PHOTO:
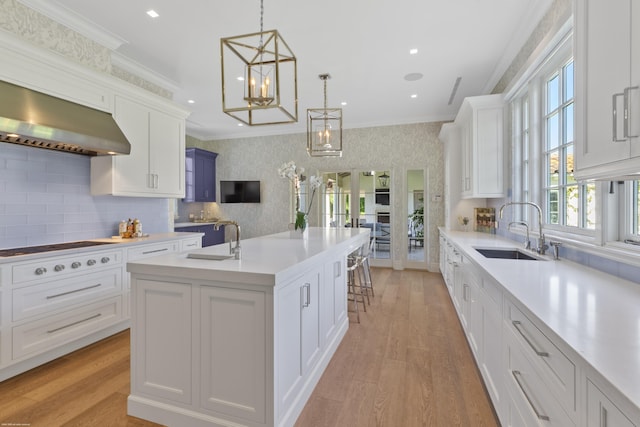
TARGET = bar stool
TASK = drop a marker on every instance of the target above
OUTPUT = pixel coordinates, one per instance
(355, 289)
(366, 269)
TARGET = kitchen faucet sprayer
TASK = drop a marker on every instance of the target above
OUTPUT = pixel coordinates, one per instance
(235, 251)
(542, 246)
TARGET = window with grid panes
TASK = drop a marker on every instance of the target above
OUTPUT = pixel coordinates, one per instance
(567, 202)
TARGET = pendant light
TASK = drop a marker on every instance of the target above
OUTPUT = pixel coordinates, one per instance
(324, 128)
(259, 78)
(383, 180)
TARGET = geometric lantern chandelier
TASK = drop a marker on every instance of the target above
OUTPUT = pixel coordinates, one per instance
(324, 128)
(259, 78)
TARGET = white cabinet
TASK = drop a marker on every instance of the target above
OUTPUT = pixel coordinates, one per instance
(54, 304)
(488, 321)
(299, 345)
(481, 124)
(607, 53)
(334, 298)
(161, 363)
(236, 362)
(603, 412)
(530, 396)
(155, 166)
(533, 376)
(554, 368)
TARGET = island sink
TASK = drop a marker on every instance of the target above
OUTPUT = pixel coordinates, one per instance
(505, 253)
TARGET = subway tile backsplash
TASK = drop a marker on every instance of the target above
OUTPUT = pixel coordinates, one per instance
(45, 198)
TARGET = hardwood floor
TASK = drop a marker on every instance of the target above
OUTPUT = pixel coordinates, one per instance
(406, 364)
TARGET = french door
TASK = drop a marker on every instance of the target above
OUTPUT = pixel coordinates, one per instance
(361, 198)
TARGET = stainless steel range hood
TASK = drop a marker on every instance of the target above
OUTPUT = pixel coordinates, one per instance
(32, 118)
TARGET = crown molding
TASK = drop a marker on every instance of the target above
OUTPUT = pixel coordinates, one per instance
(121, 61)
(530, 20)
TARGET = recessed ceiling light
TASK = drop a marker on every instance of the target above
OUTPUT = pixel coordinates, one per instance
(412, 77)
(344, 103)
(240, 124)
(413, 51)
(191, 101)
(415, 95)
(240, 78)
(152, 13)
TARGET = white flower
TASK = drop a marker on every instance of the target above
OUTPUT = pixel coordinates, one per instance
(315, 182)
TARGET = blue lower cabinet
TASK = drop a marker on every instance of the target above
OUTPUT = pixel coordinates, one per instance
(211, 235)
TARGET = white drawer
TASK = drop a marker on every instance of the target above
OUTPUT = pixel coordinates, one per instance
(190, 244)
(494, 292)
(529, 393)
(557, 368)
(45, 334)
(58, 267)
(155, 249)
(601, 411)
(37, 299)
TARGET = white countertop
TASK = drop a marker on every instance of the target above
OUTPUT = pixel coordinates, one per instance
(118, 241)
(596, 314)
(194, 223)
(265, 260)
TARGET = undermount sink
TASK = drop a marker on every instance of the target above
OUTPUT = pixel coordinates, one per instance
(214, 257)
(505, 253)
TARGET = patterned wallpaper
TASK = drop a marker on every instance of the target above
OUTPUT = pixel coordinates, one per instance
(396, 148)
(558, 13)
(42, 31)
(47, 33)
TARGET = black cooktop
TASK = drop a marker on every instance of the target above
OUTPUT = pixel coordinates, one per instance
(48, 248)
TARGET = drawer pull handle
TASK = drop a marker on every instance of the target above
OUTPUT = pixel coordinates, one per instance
(155, 251)
(517, 324)
(516, 376)
(91, 262)
(95, 316)
(305, 295)
(76, 264)
(105, 260)
(603, 417)
(40, 271)
(74, 291)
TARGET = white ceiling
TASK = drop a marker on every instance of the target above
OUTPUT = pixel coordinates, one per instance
(363, 44)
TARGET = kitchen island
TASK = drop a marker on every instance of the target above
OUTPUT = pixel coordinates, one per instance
(238, 342)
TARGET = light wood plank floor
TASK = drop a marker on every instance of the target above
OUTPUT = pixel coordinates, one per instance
(406, 364)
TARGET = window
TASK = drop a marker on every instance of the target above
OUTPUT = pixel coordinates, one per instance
(567, 202)
(630, 203)
(521, 152)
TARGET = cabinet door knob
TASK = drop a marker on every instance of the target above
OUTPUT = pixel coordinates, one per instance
(59, 267)
(40, 271)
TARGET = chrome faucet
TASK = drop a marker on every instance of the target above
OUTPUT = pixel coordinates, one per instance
(542, 246)
(232, 251)
(527, 243)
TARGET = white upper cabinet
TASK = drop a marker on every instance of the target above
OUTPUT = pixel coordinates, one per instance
(481, 124)
(155, 166)
(607, 56)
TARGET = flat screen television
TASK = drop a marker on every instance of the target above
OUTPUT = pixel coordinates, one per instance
(382, 196)
(239, 191)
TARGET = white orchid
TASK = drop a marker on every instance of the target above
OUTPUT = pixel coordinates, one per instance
(294, 173)
(315, 182)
